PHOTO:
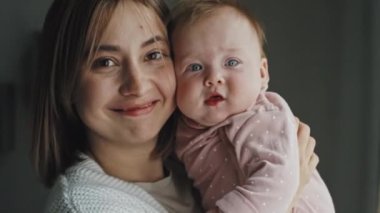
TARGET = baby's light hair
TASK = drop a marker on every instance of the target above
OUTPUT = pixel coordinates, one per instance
(187, 12)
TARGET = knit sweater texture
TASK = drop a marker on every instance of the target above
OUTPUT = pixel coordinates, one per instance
(85, 187)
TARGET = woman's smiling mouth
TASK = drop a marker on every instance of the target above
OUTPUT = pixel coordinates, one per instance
(136, 110)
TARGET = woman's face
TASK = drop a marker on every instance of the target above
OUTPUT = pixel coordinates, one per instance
(127, 93)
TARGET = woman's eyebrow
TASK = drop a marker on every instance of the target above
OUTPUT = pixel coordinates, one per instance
(153, 40)
(116, 48)
(109, 48)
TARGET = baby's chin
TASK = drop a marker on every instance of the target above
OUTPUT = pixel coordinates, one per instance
(211, 120)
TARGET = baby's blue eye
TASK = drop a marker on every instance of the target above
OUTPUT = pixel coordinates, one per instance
(195, 67)
(232, 63)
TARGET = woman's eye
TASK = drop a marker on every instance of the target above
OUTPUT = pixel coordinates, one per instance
(154, 56)
(195, 67)
(232, 63)
(103, 63)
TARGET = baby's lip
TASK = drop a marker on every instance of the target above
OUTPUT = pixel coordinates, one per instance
(215, 95)
(214, 99)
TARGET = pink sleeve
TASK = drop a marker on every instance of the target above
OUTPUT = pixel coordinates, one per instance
(267, 151)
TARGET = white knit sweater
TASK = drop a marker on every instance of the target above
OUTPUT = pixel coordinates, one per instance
(86, 188)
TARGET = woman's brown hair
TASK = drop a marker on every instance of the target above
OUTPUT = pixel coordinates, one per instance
(71, 31)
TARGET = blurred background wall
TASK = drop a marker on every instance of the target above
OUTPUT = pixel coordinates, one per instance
(324, 58)
(20, 22)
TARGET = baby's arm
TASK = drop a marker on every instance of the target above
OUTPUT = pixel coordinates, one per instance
(308, 163)
(267, 151)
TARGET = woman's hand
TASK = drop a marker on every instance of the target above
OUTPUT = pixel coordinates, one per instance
(308, 159)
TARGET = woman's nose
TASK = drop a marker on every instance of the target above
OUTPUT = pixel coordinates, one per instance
(134, 81)
(214, 78)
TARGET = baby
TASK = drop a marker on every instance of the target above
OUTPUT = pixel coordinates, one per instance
(238, 142)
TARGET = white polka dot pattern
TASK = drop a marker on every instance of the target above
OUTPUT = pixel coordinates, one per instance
(255, 157)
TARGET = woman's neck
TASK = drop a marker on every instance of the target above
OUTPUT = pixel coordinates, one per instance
(132, 164)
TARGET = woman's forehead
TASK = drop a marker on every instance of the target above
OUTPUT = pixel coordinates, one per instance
(129, 23)
(132, 26)
(131, 15)
(140, 12)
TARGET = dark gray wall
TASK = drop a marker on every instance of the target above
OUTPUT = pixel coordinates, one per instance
(322, 55)
(19, 23)
(324, 59)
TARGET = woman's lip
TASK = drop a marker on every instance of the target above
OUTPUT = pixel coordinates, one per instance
(136, 110)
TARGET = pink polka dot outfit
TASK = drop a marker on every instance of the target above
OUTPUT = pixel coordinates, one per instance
(250, 162)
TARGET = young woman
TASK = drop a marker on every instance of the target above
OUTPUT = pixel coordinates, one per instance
(103, 105)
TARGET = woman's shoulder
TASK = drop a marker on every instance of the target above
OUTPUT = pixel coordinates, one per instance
(86, 188)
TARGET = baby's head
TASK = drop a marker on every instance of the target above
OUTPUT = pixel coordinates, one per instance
(219, 59)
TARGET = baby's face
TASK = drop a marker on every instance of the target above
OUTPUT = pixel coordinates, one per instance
(219, 68)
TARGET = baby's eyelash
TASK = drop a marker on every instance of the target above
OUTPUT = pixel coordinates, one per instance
(232, 62)
(194, 67)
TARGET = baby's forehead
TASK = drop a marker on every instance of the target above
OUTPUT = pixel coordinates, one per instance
(190, 16)
(225, 11)
(233, 14)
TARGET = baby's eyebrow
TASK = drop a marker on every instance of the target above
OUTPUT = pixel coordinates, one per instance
(229, 49)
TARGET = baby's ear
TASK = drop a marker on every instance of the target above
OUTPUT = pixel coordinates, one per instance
(264, 74)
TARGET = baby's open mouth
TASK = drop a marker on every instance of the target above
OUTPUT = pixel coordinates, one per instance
(214, 100)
